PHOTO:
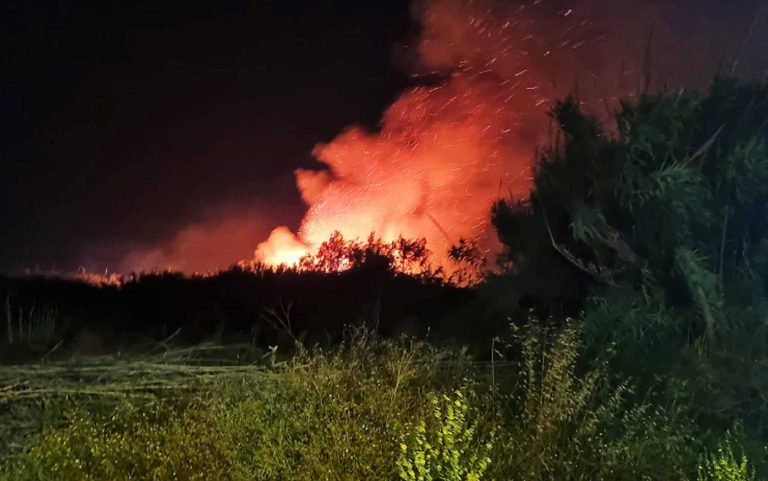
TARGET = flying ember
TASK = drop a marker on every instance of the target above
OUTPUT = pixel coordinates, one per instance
(443, 152)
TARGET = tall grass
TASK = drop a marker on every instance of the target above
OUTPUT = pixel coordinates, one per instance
(322, 415)
(367, 410)
(27, 325)
(570, 422)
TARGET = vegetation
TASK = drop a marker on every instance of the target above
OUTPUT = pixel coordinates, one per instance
(448, 448)
(724, 465)
(371, 409)
(320, 415)
(235, 305)
(623, 337)
(658, 237)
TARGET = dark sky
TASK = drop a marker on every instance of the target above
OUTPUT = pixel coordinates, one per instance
(123, 121)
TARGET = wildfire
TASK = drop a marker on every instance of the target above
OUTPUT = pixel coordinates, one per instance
(466, 135)
(442, 154)
(282, 248)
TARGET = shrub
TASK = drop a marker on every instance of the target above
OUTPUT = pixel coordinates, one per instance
(447, 447)
(322, 415)
(377, 410)
(725, 465)
(654, 230)
(337, 415)
(566, 423)
(148, 443)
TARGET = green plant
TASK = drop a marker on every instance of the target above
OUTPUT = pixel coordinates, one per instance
(339, 414)
(447, 447)
(570, 422)
(135, 442)
(31, 326)
(725, 465)
(654, 231)
(321, 415)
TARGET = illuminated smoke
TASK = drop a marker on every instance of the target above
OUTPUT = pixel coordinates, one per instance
(440, 159)
(218, 240)
(444, 153)
(486, 74)
(441, 156)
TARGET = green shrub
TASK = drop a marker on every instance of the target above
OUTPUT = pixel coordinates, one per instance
(377, 410)
(337, 415)
(322, 415)
(566, 423)
(149, 444)
(725, 465)
(445, 448)
(654, 229)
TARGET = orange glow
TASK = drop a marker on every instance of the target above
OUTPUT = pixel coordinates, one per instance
(444, 151)
(282, 248)
(441, 157)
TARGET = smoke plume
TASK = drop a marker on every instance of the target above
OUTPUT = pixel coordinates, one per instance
(488, 73)
(218, 240)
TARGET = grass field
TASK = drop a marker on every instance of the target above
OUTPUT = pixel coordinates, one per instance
(369, 409)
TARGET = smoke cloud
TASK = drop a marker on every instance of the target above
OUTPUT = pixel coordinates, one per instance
(218, 240)
(485, 74)
(446, 149)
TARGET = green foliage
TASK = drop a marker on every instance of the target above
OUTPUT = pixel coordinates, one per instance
(372, 410)
(725, 465)
(335, 415)
(655, 231)
(132, 444)
(569, 423)
(323, 415)
(445, 448)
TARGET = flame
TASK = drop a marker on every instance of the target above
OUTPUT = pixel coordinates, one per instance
(445, 150)
(441, 156)
(282, 247)
(444, 153)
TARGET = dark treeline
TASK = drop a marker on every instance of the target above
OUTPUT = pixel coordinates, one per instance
(261, 306)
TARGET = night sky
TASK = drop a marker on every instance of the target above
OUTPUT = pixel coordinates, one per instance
(123, 121)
